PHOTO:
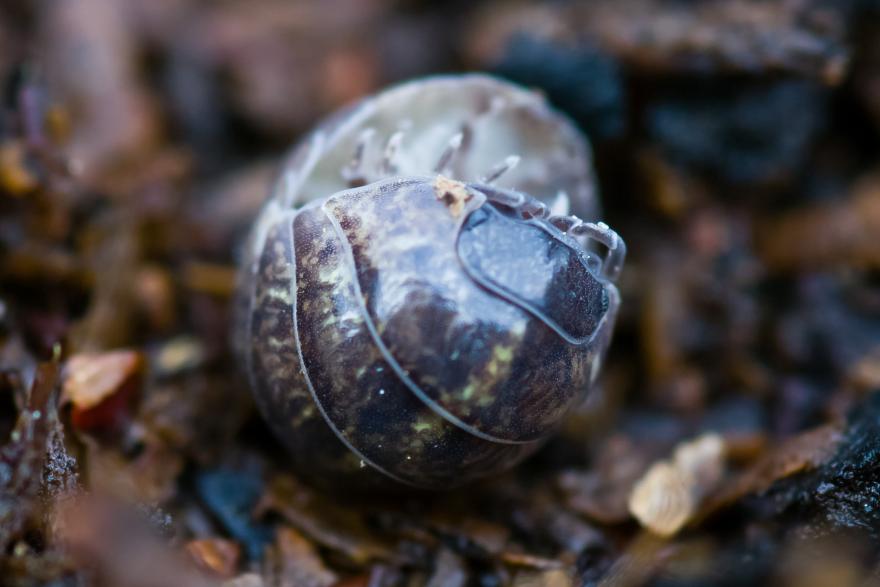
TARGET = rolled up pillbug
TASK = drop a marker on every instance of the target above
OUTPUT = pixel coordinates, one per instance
(416, 303)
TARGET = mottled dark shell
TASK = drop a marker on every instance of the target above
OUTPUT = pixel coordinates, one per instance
(428, 329)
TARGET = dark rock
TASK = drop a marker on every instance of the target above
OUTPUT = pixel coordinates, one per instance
(231, 496)
(581, 80)
(742, 131)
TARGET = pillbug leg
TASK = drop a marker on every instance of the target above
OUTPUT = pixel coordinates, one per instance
(387, 166)
(500, 169)
(509, 199)
(452, 147)
(601, 233)
(355, 173)
(570, 225)
(529, 208)
(561, 204)
(565, 223)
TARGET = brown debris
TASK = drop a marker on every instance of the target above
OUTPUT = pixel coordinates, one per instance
(842, 232)
(233, 200)
(101, 533)
(149, 477)
(156, 298)
(324, 520)
(718, 36)
(217, 556)
(296, 563)
(257, 48)
(15, 179)
(644, 555)
(739, 35)
(553, 578)
(798, 454)
(601, 493)
(114, 114)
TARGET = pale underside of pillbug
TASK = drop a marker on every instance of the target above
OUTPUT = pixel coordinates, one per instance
(416, 302)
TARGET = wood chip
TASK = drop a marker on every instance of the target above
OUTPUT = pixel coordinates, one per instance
(667, 496)
(827, 235)
(297, 563)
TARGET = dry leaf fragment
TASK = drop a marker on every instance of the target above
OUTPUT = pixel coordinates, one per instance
(667, 496)
(102, 388)
(91, 378)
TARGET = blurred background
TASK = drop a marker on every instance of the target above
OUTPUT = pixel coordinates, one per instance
(736, 150)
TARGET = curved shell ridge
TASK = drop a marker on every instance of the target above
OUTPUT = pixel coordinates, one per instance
(358, 390)
(308, 379)
(380, 344)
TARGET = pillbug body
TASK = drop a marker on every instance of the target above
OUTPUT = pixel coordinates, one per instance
(416, 303)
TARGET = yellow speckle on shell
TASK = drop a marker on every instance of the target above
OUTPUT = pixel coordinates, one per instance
(452, 193)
